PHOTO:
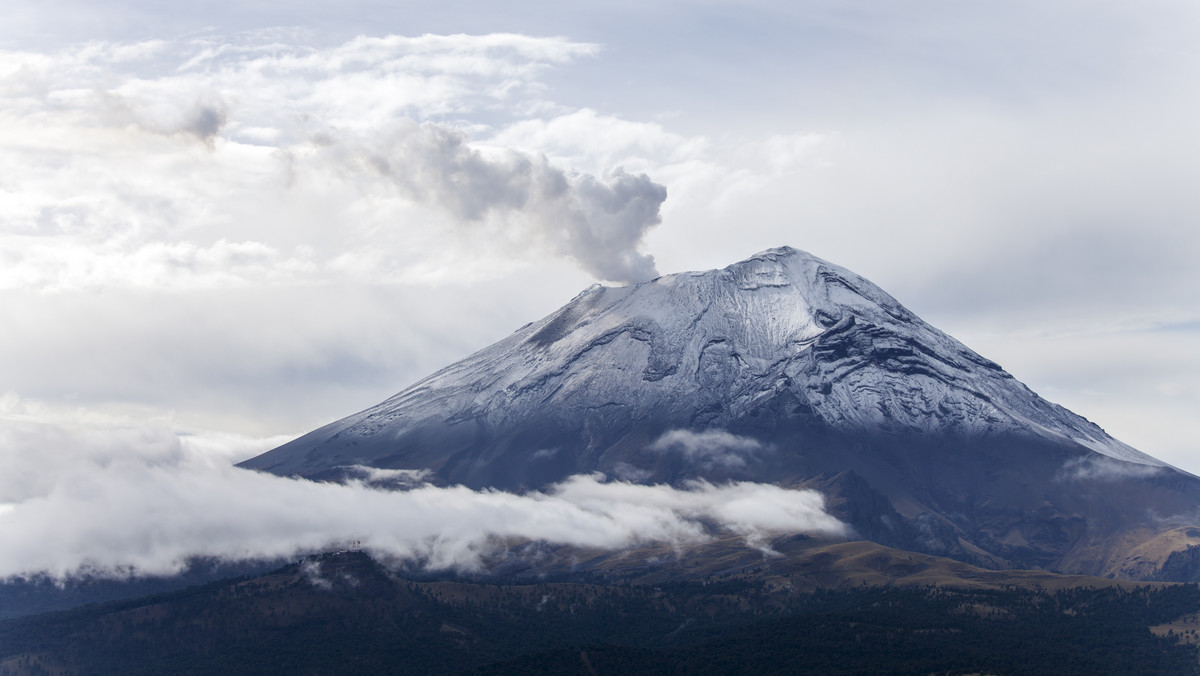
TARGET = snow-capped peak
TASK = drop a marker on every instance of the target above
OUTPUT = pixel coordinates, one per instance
(782, 334)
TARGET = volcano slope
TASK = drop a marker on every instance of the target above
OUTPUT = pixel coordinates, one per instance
(790, 370)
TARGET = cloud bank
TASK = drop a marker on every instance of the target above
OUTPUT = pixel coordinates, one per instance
(129, 502)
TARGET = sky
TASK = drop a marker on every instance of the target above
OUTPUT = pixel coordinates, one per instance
(225, 224)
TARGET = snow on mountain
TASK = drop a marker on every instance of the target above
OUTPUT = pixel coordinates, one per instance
(701, 349)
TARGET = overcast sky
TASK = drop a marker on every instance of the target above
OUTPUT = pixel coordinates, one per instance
(232, 223)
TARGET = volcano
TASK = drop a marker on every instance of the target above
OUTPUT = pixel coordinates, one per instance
(783, 369)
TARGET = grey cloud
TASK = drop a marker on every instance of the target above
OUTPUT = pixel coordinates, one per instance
(710, 448)
(312, 571)
(202, 121)
(429, 162)
(617, 213)
(627, 472)
(600, 222)
(205, 122)
(168, 113)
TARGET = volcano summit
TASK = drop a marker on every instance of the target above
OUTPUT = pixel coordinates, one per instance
(789, 370)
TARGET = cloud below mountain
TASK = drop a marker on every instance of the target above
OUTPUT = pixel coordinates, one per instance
(128, 502)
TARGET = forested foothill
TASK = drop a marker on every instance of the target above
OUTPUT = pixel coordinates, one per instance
(345, 613)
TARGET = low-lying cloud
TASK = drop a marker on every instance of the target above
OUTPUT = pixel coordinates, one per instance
(710, 448)
(141, 503)
(1103, 468)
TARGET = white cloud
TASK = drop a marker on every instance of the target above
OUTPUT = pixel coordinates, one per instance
(137, 501)
(1100, 468)
(42, 445)
(588, 139)
(710, 448)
